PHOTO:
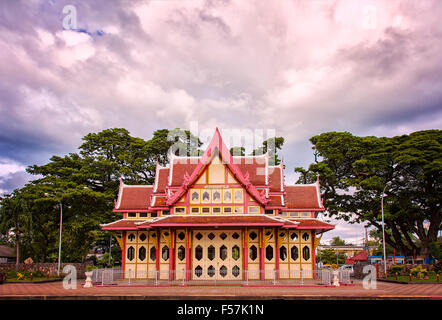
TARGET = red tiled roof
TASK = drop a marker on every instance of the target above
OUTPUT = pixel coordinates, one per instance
(221, 220)
(275, 178)
(361, 256)
(180, 167)
(159, 201)
(163, 176)
(302, 197)
(275, 201)
(125, 224)
(255, 167)
(218, 148)
(312, 224)
(134, 197)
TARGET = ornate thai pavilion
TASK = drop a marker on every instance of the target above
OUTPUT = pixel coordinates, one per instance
(217, 216)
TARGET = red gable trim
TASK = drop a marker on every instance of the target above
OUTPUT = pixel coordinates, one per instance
(123, 224)
(217, 147)
(213, 220)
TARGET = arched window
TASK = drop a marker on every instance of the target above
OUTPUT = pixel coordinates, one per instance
(142, 253)
(199, 252)
(306, 253)
(223, 252)
(269, 252)
(181, 253)
(294, 252)
(235, 252)
(165, 253)
(283, 253)
(131, 253)
(153, 254)
(253, 253)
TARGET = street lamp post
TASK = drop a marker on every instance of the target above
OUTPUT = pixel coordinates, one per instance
(59, 241)
(383, 227)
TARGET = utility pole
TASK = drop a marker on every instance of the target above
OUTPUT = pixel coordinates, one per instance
(367, 248)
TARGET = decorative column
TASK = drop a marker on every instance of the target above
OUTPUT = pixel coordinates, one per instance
(157, 245)
(123, 255)
(171, 253)
(188, 254)
(245, 249)
(277, 252)
(315, 243)
(262, 255)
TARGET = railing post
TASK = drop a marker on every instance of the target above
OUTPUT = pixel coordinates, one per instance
(130, 271)
(274, 277)
(184, 276)
(247, 277)
(102, 276)
(156, 277)
(302, 277)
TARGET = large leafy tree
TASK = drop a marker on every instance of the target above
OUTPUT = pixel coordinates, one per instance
(15, 219)
(329, 256)
(354, 171)
(337, 241)
(270, 146)
(85, 185)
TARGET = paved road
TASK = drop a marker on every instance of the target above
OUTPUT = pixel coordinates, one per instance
(384, 290)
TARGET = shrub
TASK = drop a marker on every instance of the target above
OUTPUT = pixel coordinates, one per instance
(419, 272)
(397, 268)
(438, 267)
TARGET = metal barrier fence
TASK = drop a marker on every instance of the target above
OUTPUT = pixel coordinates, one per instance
(117, 276)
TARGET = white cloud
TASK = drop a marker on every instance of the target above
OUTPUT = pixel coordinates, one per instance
(8, 166)
(301, 67)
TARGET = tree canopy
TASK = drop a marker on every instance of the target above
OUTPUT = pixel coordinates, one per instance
(353, 172)
(85, 185)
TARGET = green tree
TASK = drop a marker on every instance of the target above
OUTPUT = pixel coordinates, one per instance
(15, 219)
(376, 235)
(354, 170)
(85, 184)
(238, 151)
(271, 145)
(336, 241)
(329, 256)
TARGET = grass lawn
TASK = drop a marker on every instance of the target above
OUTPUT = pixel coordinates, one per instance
(407, 279)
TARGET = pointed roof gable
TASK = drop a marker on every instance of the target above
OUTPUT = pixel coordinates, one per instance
(133, 197)
(217, 148)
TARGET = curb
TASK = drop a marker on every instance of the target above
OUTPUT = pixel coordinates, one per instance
(407, 282)
(32, 282)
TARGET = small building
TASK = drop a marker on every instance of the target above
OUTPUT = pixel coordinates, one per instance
(218, 216)
(390, 259)
(359, 257)
(348, 250)
(7, 254)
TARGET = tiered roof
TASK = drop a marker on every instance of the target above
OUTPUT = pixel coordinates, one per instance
(249, 220)
(263, 182)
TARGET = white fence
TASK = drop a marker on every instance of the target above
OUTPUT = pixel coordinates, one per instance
(117, 276)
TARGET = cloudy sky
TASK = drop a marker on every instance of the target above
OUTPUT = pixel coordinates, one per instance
(298, 67)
